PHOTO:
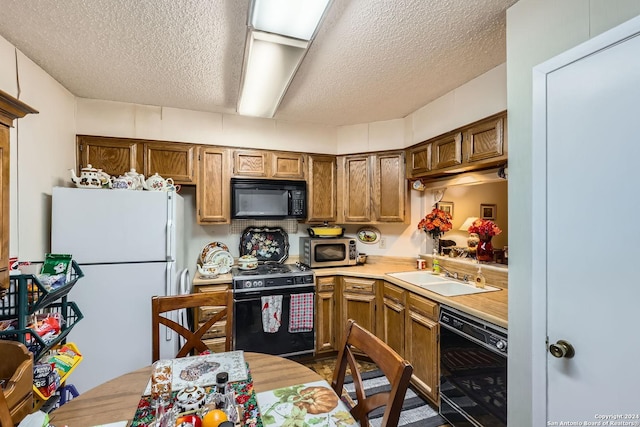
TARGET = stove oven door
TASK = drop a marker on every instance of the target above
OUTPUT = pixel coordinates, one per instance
(249, 333)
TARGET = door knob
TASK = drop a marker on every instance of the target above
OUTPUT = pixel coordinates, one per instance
(562, 349)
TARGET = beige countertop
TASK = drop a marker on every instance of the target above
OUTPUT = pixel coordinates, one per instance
(489, 306)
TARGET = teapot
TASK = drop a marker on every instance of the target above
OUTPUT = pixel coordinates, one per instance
(135, 180)
(121, 183)
(208, 270)
(158, 183)
(90, 177)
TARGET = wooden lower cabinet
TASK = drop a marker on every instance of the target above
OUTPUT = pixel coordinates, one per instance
(326, 315)
(358, 302)
(421, 344)
(215, 337)
(393, 317)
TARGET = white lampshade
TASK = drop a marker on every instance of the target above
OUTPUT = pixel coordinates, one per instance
(467, 223)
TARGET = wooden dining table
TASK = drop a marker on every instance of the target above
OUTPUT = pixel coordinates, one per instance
(117, 399)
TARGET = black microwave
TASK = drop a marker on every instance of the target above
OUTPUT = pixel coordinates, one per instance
(268, 198)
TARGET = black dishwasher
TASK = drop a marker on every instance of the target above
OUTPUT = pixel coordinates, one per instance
(473, 370)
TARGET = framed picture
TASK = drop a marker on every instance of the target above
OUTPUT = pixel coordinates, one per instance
(447, 207)
(488, 212)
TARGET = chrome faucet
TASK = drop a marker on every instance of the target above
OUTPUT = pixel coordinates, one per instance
(447, 273)
(454, 274)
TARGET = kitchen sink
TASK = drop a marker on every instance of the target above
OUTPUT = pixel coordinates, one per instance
(440, 285)
(419, 278)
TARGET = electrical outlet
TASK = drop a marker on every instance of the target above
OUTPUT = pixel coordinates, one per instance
(383, 242)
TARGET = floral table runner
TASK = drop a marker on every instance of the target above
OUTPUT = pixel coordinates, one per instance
(311, 404)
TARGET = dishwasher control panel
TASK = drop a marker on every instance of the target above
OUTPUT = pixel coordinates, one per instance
(478, 330)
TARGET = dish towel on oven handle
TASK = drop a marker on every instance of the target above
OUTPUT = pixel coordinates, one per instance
(271, 313)
(301, 315)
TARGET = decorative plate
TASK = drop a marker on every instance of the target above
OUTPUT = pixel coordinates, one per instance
(368, 235)
(223, 260)
(208, 251)
(265, 243)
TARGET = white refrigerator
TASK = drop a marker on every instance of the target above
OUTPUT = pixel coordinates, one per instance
(130, 247)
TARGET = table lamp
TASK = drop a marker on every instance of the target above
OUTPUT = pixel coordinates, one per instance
(473, 239)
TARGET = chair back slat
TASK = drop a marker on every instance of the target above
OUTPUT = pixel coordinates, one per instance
(161, 306)
(397, 370)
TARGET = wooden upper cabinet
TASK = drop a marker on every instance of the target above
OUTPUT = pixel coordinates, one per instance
(486, 140)
(373, 188)
(356, 188)
(170, 160)
(321, 189)
(268, 164)
(389, 187)
(477, 146)
(213, 193)
(419, 160)
(447, 151)
(114, 156)
(250, 163)
(10, 109)
(287, 165)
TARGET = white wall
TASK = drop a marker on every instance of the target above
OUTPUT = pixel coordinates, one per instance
(536, 31)
(42, 149)
(108, 118)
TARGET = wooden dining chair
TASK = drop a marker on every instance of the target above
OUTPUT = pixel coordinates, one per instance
(16, 393)
(162, 306)
(397, 370)
(5, 413)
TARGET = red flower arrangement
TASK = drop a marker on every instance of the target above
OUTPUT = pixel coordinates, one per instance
(484, 227)
(435, 223)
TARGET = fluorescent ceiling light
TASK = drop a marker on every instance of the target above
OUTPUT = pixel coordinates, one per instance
(291, 18)
(270, 63)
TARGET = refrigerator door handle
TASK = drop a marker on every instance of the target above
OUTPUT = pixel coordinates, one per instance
(169, 292)
(170, 225)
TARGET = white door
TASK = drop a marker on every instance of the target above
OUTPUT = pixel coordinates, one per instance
(587, 227)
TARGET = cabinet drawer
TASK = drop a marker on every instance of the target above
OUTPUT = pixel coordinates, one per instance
(393, 293)
(423, 306)
(361, 286)
(206, 312)
(216, 331)
(325, 284)
(211, 288)
(216, 345)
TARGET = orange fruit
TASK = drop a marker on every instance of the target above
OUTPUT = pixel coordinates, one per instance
(213, 418)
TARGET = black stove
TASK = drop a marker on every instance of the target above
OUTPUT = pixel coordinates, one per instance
(272, 275)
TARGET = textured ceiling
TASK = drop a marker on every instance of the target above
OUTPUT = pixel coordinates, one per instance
(371, 60)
